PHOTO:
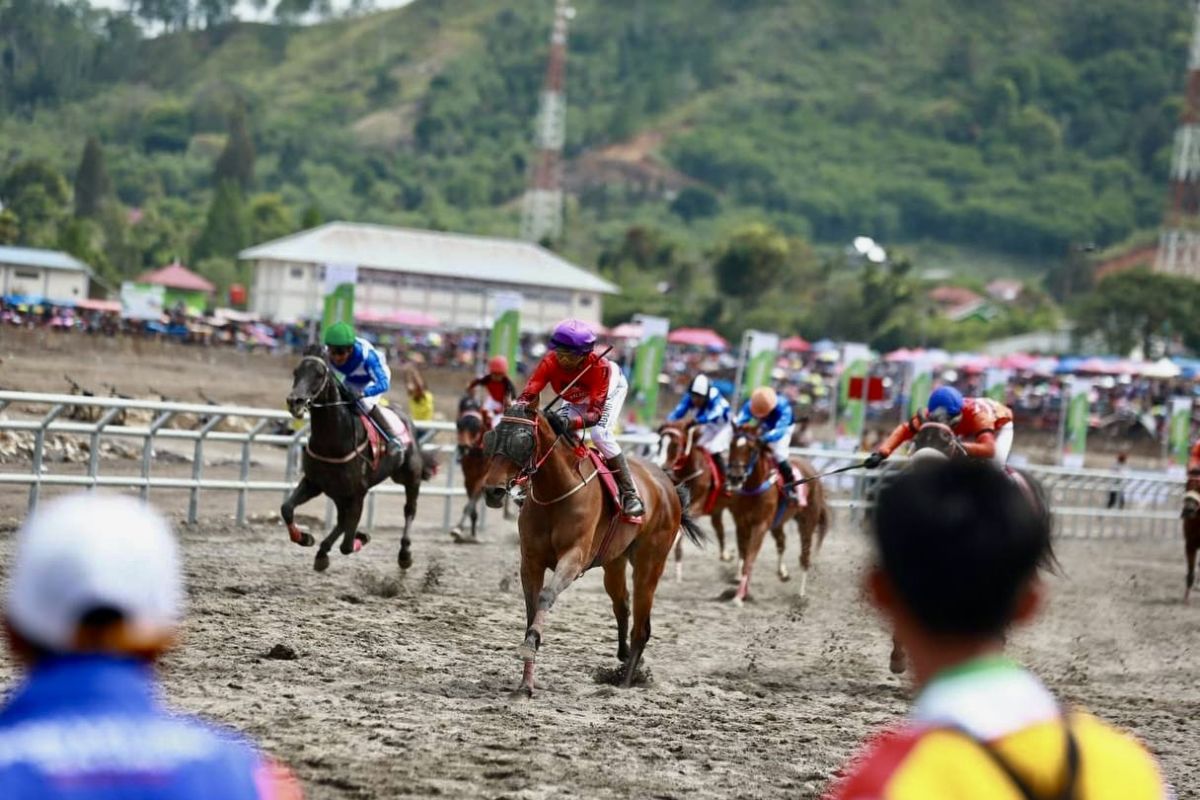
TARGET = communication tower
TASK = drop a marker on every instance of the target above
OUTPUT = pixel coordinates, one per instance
(542, 208)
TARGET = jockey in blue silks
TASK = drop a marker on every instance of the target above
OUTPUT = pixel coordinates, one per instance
(711, 412)
(774, 420)
(364, 372)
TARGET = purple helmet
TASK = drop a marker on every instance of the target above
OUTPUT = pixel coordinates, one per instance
(573, 334)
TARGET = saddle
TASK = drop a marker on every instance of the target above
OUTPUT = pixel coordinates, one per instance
(611, 490)
(718, 483)
(376, 444)
(787, 499)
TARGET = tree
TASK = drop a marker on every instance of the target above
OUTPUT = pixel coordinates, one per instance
(695, 203)
(92, 186)
(10, 227)
(236, 162)
(227, 228)
(270, 218)
(1137, 308)
(752, 262)
(39, 195)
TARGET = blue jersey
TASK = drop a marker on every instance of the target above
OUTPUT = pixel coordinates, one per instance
(773, 425)
(92, 728)
(365, 370)
(715, 409)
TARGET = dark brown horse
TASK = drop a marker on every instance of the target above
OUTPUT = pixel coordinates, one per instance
(338, 462)
(470, 426)
(937, 440)
(688, 465)
(1191, 529)
(568, 525)
(755, 505)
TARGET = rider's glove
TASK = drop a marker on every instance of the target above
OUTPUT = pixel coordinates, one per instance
(560, 421)
(874, 460)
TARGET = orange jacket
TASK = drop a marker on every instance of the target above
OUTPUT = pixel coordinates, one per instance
(981, 418)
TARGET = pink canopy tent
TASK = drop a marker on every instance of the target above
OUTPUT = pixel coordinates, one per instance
(902, 356)
(626, 330)
(699, 337)
(400, 319)
(795, 344)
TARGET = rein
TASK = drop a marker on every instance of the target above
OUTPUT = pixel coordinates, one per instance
(750, 466)
(535, 463)
(310, 402)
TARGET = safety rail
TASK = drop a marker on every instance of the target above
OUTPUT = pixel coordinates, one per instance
(1086, 503)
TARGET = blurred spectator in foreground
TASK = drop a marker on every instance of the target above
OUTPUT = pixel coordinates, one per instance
(93, 601)
(958, 549)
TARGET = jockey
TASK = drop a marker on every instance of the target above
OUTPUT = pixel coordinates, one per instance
(593, 402)
(365, 374)
(500, 389)
(987, 424)
(774, 418)
(1194, 458)
(710, 410)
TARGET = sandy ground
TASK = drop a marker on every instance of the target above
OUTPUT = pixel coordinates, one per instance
(401, 684)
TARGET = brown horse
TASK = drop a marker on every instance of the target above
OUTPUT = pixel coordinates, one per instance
(755, 501)
(937, 440)
(688, 465)
(470, 427)
(1191, 529)
(569, 526)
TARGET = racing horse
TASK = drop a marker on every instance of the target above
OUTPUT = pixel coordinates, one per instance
(759, 503)
(690, 466)
(470, 427)
(1191, 529)
(935, 440)
(338, 460)
(571, 522)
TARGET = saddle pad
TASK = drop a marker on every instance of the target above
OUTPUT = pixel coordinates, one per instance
(718, 483)
(606, 476)
(398, 424)
(374, 440)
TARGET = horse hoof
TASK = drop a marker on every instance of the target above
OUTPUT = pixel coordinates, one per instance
(347, 549)
(307, 540)
(522, 692)
(358, 545)
(365, 538)
(728, 594)
(321, 562)
(404, 559)
(726, 555)
(527, 652)
(784, 577)
(897, 664)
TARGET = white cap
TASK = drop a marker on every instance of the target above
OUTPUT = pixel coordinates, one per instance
(89, 551)
(700, 385)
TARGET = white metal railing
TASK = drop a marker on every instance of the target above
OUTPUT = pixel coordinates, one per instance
(1145, 502)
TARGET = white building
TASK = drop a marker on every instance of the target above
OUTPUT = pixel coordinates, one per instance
(38, 275)
(446, 276)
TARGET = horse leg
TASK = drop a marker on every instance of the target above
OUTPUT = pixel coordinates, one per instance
(780, 545)
(532, 578)
(412, 488)
(1191, 547)
(468, 513)
(348, 516)
(719, 527)
(897, 662)
(321, 562)
(806, 550)
(750, 555)
(618, 592)
(568, 568)
(305, 490)
(647, 569)
(679, 557)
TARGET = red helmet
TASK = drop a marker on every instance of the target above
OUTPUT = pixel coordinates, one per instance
(498, 365)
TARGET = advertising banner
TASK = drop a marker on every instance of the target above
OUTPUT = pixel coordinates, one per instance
(506, 327)
(995, 383)
(1075, 428)
(142, 301)
(1181, 430)
(340, 280)
(759, 354)
(647, 365)
(856, 358)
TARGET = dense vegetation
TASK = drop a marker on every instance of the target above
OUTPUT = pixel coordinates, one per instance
(1016, 127)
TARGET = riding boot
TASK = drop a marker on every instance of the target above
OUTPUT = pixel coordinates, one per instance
(789, 475)
(631, 504)
(394, 446)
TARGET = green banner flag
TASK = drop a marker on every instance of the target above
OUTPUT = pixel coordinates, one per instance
(340, 280)
(1075, 441)
(856, 408)
(760, 352)
(1181, 429)
(918, 393)
(995, 382)
(506, 328)
(647, 365)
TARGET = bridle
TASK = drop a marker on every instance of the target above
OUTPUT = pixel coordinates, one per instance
(527, 470)
(755, 445)
(686, 445)
(326, 372)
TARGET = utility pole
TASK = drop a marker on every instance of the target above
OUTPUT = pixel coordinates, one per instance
(1179, 243)
(542, 208)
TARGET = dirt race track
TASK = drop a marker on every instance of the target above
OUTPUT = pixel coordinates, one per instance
(401, 684)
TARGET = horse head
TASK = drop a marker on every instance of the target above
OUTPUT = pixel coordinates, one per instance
(936, 440)
(310, 379)
(743, 456)
(469, 425)
(510, 449)
(1191, 498)
(671, 450)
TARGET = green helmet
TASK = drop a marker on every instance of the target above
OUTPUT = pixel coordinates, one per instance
(339, 334)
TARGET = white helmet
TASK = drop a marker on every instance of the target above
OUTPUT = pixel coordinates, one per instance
(700, 385)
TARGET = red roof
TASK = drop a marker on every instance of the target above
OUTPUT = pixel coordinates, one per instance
(953, 296)
(177, 276)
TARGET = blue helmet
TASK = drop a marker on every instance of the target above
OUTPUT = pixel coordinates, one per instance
(946, 399)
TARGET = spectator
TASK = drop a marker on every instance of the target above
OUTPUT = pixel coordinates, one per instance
(958, 547)
(94, 599)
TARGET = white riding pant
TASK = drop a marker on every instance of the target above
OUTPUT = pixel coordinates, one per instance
(715, 437)
(495, 408)
(1004, 442)
(779, 447)
(367, 404)
(603, 432)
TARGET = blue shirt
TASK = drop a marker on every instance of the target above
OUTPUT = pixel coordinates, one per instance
(92, 728)
(365, 370)
(715, 409)
(774, 425)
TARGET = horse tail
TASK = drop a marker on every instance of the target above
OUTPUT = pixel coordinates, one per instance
(693, 531)
(429, 462)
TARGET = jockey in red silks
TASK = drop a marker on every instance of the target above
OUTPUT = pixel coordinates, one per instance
(986, 425)
(500, 390)
(594, 401)
(1194, 458)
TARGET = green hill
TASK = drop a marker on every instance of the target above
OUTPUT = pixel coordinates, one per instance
(1015, 128)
